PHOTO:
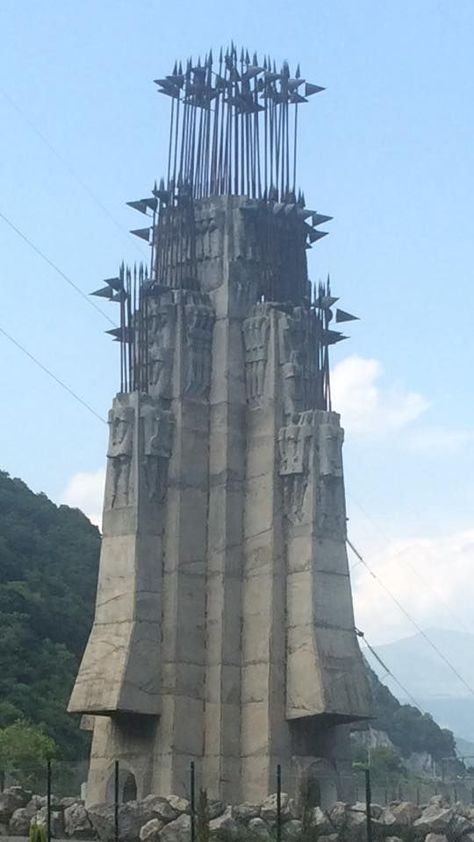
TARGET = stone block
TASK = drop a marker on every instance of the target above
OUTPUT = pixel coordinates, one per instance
(76, 822)
(177, 830)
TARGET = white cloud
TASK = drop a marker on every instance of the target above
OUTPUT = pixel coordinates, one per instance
(85, 491)
(430, 577)
(366, 406)
(434, 438)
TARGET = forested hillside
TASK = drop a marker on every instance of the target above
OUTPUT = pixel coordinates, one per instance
(409, 729)
(48, 570)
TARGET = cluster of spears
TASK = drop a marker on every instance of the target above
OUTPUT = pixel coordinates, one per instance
(231, 126)
(233, 131)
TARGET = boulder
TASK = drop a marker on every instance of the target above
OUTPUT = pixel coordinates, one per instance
(406, 813)
(258, 829)
(356, 819)
(160, 808)
(77, 823)
(434, 819)
(393, 839)
(69, 801)
(180, 805)
(20, 822)
(150, 831)
(338, 814)
(291, 830)
(34, 804)
(436, 837)
(330, 837)
(42, 801)
(387, 817)
(319, 820)
(224, 825)
(9, 802)
(268, 810)
(215, 808)
(101, 816)
(131, 817)
(178, 830)
(438, 801)
(246, 812)
(21, 795)
(460, 825)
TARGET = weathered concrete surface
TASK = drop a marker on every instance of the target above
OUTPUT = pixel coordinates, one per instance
(224, 630)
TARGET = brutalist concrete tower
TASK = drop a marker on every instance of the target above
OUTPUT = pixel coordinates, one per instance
(224, 629)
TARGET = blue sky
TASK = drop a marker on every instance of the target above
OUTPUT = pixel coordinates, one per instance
(387, 150)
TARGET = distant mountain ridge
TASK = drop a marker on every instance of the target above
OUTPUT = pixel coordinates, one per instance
(430, 680)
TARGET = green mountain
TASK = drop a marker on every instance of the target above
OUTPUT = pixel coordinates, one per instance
(48, 572)
(409, 729)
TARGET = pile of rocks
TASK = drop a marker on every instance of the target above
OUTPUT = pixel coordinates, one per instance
(159, 819)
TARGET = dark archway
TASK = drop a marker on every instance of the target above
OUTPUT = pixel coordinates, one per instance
(129, 788)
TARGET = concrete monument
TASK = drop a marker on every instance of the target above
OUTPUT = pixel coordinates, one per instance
(224, 629)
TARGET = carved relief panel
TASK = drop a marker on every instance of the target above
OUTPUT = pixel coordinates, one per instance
(256, 331)
(161, 330)
(158, 426)
(331, 508)
(295, 442)
(119, 454)
(198, 324)
(296, 363)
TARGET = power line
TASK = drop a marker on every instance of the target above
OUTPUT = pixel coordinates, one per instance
(410, 618)
(68, 167)
(425, 582)
(53, 376)
(387, 671)
(56, 268)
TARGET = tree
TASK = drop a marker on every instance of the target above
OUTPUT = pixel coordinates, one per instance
(24, 752)
(48, 572)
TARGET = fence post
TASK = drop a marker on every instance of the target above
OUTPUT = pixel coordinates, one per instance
(48, 801)
(192, 776)
(116, 801)
(278, 804)
(368, 799)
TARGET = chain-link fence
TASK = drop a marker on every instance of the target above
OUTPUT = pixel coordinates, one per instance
(58, 798)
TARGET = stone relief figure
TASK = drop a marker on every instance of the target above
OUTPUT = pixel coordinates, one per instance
(205, 227)
(158, 427)
(198, 325)
(256, 331)
(121, 423)
(331, 502)
(295, 442)
(330, 440)
(161, 326)
(295, 368)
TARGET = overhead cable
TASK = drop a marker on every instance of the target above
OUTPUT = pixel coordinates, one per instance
(50, 374)
(412, 621)
(55, 267)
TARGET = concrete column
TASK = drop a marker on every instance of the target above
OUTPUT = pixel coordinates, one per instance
(180, 734)
(264, 731)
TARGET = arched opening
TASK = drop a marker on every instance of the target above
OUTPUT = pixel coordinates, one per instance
(312, 790)
(129, 788)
